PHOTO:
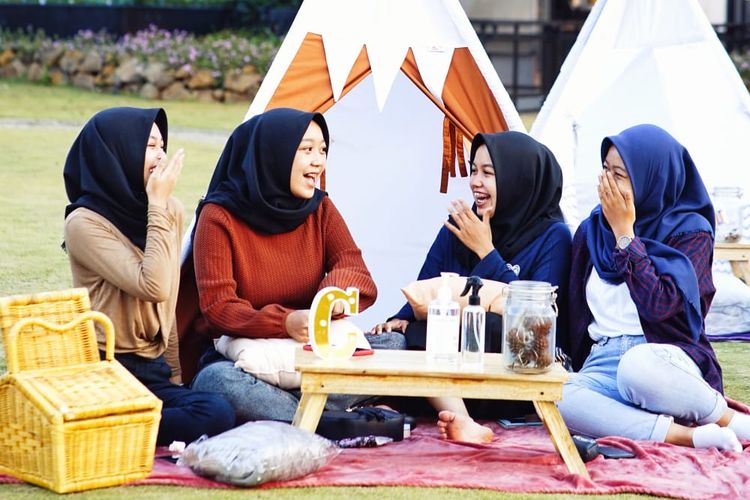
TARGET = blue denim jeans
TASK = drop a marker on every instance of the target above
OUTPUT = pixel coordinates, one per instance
(628, 387)
(254, 399)
(185, 415)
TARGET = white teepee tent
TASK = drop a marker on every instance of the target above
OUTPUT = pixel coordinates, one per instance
(646, 61)
(403, 84)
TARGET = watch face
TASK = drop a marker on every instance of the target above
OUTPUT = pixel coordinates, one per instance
(623, 242)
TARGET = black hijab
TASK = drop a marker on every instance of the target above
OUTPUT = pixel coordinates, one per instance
(529, 186)
(104, 168)
(252, 176)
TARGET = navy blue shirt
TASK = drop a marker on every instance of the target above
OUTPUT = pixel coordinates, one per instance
(547, 258)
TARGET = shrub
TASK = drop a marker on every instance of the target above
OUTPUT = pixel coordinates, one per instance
(742, 62)
(217, 52)
(24, 43)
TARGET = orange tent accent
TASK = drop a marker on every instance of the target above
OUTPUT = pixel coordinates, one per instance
(467, 101)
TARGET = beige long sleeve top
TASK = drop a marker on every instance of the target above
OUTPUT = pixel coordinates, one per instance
(136, 289)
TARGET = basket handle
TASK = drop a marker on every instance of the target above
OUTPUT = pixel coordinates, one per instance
(109, 334)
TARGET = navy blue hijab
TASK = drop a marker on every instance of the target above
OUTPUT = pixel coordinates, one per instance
(528, 185)
(670, 199)
(104, 168)
(251, 179)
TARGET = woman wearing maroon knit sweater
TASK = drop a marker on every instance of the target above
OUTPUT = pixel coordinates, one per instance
(266, 240)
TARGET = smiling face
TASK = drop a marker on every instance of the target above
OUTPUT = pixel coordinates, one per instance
(154, 153)
(309, 163)
(482, 181)
(613, 163)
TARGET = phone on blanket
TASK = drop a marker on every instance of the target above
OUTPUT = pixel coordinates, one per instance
(357, 352)
(612, 452)
(522, 421)
(589, 449)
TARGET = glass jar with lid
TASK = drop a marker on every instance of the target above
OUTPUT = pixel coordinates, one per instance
(729, 209)
(529, 326)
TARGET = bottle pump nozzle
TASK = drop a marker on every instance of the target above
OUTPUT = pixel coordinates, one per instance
(474, 283)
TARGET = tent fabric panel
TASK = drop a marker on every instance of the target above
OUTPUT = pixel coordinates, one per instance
(468, 103)
(467, 99)
(306, 84)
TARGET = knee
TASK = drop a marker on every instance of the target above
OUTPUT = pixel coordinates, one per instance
(217, 414)
(388, 340)
(221, 377)
(636, 370)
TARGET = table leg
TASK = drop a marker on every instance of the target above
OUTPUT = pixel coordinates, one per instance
(309, 411)
(555, 425)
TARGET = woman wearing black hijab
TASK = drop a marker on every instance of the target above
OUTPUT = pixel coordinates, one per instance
(266, 240)
(514, 231)
(122, 234)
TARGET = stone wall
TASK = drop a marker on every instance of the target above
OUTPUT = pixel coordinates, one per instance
(93, 71)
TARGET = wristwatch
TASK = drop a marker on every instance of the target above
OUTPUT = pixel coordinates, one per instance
(623, 242)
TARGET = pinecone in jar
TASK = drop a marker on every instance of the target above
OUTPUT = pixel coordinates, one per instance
(515, 341)
(542, 344)
(538, 324)
(538, 355)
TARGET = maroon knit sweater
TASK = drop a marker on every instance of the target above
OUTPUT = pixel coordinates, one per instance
(248, 282)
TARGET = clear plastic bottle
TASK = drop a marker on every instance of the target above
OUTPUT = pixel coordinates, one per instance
(443, 321)
(472, 328)
(529, 326)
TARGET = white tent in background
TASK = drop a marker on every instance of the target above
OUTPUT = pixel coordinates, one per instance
(646, 61)
(403, 84)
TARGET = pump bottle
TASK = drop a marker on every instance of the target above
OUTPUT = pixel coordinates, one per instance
(443, 317)
(472, 328)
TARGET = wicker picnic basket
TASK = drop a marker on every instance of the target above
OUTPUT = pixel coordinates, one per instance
(69, 421)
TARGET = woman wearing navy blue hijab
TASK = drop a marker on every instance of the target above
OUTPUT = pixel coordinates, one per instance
(514, 231)
(640, 288)
(122, 233)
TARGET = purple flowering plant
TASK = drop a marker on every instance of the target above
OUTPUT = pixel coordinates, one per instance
(217, 52)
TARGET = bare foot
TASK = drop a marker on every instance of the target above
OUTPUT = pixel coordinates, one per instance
(457, 427)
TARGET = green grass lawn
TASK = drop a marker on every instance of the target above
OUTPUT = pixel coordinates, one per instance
(32, 198)
(68, 104)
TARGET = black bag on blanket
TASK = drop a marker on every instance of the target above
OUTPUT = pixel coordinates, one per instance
(368, 421)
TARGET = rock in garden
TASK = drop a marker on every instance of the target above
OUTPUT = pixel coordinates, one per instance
(159, 75)
(203, 79)
(129, 72)
(19, 67)
(175, 92)
(106, 77)
(204, 95)
(35, 73)
(240, 82)
(92, 63)
(57, 77)
(231, 97)
(83, 81)
(182, 73)
(15, 69)
(149, 91)
(6, 57)
(218, 94)
(51, 56)
(70, 60)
